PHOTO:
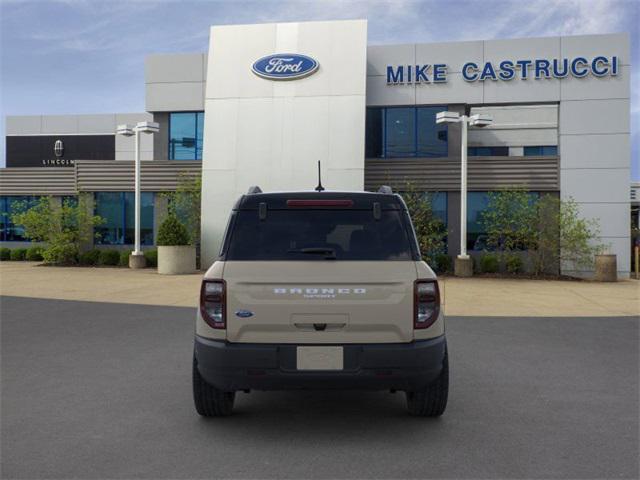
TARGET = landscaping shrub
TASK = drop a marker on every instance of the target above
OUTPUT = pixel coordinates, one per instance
(489, 263)
(63, 227)
(61, 254)
(172, 232)
(513, 264)
(152, 258)
(34, 254)
(443, 263)
(430, 230)
(109, 257)
(124, 258)
(18, 254)
(90, 257)
(5, 254)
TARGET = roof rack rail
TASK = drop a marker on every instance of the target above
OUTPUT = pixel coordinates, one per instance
(385, 189)
(254, 189)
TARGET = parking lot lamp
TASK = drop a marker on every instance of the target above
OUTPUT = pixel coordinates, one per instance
(136, 259)
(463, 263)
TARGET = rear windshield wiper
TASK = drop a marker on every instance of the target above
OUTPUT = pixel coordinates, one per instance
(329, 253)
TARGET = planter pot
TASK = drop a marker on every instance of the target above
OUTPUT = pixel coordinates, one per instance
(176, 260)
(606, 268)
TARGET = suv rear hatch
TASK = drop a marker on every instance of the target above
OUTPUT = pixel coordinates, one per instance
(320, 270)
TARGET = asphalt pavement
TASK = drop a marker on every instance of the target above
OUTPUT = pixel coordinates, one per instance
(103, 390)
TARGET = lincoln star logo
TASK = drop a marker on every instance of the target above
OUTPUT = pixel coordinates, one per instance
(58, 148)
(319, 292)
(285, 66)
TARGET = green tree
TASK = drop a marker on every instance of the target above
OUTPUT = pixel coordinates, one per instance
(63, 227)
(184, 203)
(431, 231)
(563, 237)
(510, 220)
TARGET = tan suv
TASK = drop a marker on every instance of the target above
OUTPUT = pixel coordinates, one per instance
(320, 290)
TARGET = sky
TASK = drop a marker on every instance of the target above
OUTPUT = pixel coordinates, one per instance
(87, 56)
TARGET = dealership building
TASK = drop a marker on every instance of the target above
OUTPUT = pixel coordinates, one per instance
(267, 101)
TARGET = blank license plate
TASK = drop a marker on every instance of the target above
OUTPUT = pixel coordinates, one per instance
(320, 358)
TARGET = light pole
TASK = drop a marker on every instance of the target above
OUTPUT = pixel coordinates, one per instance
(136, 259)
(463, 264)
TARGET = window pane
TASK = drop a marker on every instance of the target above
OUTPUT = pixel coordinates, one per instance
(532, 151)
(439, 205)
(373, 135)
(199, 134)
(146, 218)
(182, 136)
(432, 138)
(477, 203)
(109, 207)
(351, 234)
(400, 132)
(9, 206)
(550, 150)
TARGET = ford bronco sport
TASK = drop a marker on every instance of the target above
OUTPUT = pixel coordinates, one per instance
(320, 290)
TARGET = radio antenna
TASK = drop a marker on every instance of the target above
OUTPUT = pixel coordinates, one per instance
(319, 188)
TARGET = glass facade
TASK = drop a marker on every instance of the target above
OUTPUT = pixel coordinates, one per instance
(541, 151)
(117, 209)
(8, 206)
(488, 151)
(185, 135)
(405, 132)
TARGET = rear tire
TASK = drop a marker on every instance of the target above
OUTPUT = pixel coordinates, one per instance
(209, 401)
(431, 402)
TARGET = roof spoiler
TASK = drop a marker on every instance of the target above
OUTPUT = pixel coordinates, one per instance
(254, 189)
(386, 189)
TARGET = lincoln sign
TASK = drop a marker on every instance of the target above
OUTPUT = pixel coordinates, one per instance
(506, 70)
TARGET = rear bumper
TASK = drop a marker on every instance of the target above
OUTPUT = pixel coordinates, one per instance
(254, 366)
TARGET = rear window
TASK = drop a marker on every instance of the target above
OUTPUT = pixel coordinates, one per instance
(319, 235)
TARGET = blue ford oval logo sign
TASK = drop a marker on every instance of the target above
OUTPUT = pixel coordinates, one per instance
(285, 66)
(244, 314)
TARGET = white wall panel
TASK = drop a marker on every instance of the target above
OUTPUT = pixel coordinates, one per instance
(174, 68)
(595, 151)
(593, 45)
(269, 133)
(594, 117)
(612, 219)
(381, 94)
(516, 137)
(58, 124)
(379, 56)
(455, 90)
(23, 125)
(593, 88)
(600, 185)
(174, 97)
(453, 54)
(521, 49)
(520, 91)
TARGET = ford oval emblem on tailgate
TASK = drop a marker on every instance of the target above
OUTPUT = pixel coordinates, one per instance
(244, 314)
(285, 66)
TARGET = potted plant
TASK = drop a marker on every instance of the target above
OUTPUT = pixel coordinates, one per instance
(175, 254)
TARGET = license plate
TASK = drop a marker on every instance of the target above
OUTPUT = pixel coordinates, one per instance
(320, 358)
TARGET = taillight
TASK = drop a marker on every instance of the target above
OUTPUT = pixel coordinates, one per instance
(426, 303)
(213, 296)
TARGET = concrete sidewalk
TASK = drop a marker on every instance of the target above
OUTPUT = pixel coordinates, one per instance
(462, 297)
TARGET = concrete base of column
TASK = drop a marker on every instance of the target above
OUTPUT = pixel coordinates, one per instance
(137, 260)
(463, 267)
